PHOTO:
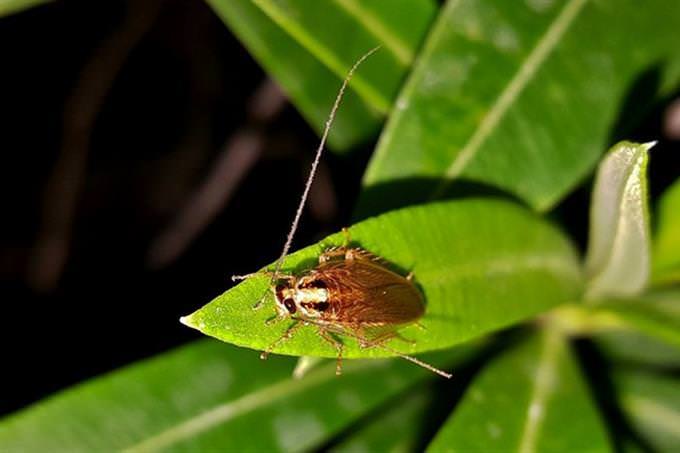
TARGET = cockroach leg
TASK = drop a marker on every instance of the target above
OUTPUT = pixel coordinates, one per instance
(337, 345)
(419, 325)
(274, 319)
(409, 276)
(286, 336)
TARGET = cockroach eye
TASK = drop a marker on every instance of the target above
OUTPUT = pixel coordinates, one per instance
(279, 291)
(290, 305)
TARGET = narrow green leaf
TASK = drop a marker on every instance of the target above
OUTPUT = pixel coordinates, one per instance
(522, 96)
(8, 7)
(305, 46)
(618, 258)
(482, 264)
(666, 254)
(656, 315)
(632, 347)
(531, 398)
(394, 430)
(652, 404)
(209, 396)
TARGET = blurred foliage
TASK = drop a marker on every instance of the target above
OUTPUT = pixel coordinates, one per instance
(505, 100)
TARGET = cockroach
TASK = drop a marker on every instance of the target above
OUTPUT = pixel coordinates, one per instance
(351, 292)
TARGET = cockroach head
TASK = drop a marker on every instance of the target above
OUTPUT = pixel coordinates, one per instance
(285, 302)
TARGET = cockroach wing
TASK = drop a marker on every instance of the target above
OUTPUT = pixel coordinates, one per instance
(367, 293)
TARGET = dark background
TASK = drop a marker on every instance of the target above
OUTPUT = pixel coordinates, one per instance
(175, 87)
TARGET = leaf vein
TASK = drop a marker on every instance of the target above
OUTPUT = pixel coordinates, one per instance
(520, 80)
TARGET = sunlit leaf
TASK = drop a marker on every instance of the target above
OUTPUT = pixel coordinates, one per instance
(308, 46)
(482, 264)
(522, 96)
(618, 259)
(207, 395)
(652, 404)
(666, 254)
(531, 398)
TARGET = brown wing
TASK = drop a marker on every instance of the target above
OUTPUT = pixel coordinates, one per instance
(368, 293)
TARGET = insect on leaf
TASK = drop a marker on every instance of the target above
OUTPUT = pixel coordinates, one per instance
(481, 264)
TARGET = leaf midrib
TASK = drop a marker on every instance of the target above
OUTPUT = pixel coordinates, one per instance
(325, 56)
(544, 379)
(506, 99)
(222, 413)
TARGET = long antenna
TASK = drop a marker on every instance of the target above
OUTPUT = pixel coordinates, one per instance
(315, 164)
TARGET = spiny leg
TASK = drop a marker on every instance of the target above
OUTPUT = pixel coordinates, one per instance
(337, 252)
(286, 336)
(371, 343)
(337, 345)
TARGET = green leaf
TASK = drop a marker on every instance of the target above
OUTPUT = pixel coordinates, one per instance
(395, 429)
(666, 254)
(8, 7)
(522, 96)
(482, 264)
(652, 404)
(208, 395)
(618, 258)
(656, 315)
(531, 398)
(632, 347)
(308, 46)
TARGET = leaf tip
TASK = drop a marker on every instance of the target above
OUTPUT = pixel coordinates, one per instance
(649, 145)
(188, 321)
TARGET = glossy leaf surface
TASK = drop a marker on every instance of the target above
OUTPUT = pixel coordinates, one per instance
(522, 96)
(652, 404)
(481, 264)
(618, 259)
(308, 46)
(531, 398)
(209, 394)
(666, 255)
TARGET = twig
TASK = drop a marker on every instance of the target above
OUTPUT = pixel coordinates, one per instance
(239, 155)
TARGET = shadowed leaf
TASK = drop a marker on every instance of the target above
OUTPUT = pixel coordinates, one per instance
(308, 46)
(207, 395)
(652, 404)
(531, 398)
(666, 254)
